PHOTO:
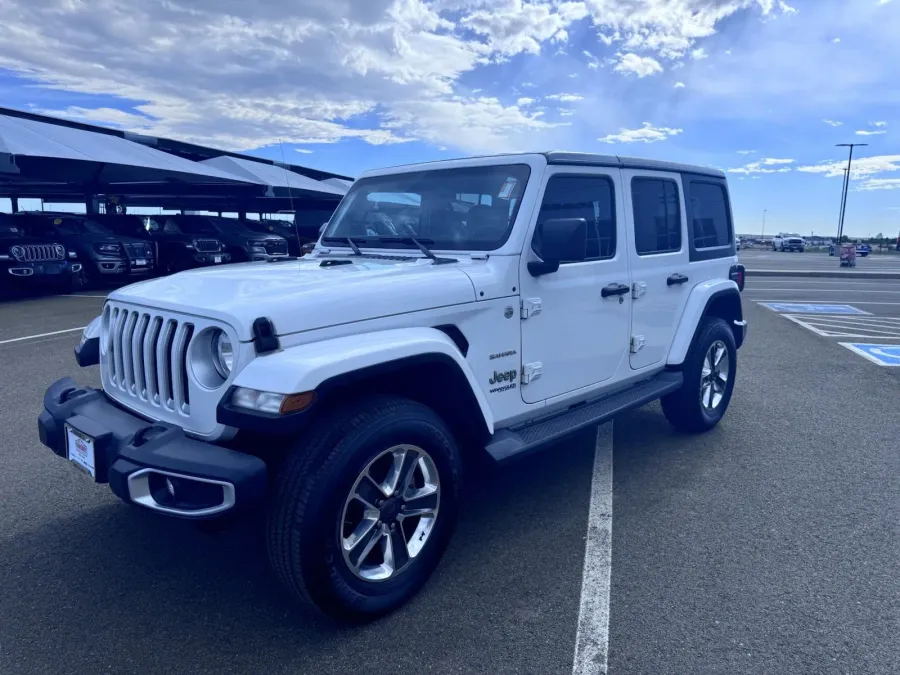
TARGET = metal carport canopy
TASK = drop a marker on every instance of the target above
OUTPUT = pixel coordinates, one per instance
(75, 161)
(284, 182)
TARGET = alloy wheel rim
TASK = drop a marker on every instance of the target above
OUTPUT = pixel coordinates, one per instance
(714, 375)
(390, 513)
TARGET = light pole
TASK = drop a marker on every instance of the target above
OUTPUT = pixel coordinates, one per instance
(763, 234)
(846, 185)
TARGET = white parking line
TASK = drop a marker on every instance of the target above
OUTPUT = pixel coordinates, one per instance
(40, 335)
(592, 638)
(821, 290)
(813, 302)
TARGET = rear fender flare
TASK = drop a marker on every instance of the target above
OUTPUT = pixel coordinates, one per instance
(702, 298)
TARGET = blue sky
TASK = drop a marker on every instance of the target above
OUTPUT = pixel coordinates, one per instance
(763, 89)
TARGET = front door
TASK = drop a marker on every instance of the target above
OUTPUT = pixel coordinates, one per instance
(579, 337)
(659, 261)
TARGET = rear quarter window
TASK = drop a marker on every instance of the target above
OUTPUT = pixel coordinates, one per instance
(709, 218)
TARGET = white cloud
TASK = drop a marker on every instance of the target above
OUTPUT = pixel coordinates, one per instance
(642, 66)
(680, 85)
(836, 41)
(864, 167)
(646, 134)
(512, 26)
(880, 184)
(304, 151)
(866, 132)
(565, 98)
(832, 123)
(699, 54)
(525, 100)
(786, 8)
(746, 152)
(878, 124)
(244, 75)
(669, 28)
(565, 112)
(763, 165)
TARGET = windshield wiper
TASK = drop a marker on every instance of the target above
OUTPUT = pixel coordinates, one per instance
(345, 240)
(419, 244)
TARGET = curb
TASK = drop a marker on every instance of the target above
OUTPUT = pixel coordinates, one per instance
(833, 274)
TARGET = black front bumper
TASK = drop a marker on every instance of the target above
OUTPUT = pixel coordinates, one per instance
(128, 447)
(51, 272)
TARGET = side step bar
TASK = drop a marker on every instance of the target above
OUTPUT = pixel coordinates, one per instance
(510, 443)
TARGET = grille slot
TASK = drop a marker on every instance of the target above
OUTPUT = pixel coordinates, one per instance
(147, 358)
(38, 252)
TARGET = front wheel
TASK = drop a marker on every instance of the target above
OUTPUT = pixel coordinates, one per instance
(362, 513)
(709, 371)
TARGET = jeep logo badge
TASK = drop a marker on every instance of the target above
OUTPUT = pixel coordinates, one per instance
(503, 376)
(508, 312)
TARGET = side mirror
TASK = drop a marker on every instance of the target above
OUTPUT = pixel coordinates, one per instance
(558, 240)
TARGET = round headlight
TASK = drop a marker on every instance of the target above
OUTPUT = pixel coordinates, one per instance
(223, 354)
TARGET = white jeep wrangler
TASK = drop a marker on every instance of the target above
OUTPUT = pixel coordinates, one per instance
(496, 305)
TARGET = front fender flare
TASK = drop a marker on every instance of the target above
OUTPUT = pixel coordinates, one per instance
(702, 295)
(305, 367)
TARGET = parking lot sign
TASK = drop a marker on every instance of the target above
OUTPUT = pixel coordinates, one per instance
(804, 308)
(883, 355)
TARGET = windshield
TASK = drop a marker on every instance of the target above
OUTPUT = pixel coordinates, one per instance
(78, 226)
(453, 209)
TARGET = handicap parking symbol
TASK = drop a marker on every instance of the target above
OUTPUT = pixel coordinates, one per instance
(804, 308)
(883, 355)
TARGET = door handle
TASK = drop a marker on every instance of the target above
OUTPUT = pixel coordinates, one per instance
(676, 279)
(615, 289)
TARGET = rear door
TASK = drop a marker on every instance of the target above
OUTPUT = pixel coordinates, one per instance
(658, 250)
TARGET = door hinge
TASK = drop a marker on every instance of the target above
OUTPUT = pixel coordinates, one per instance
(638, 288)
(637, 343)
(530, 307)
(532, 372)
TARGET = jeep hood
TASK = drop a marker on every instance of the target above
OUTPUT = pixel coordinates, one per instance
(302, 295)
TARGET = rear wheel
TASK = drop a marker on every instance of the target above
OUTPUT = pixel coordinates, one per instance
(361, 514)
(709, 371)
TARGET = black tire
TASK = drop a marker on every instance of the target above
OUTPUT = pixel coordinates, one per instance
(307, 508)
(683, 408)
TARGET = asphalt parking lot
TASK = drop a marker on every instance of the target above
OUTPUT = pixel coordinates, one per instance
(767, 259)
(769, 545)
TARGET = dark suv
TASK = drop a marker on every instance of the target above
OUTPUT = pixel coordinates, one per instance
(29, 263)
(176, 250)
(304, 230)
(243, 243)
(105, 256)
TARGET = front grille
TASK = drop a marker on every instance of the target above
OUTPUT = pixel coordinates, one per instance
(146, 357)
(138, 250)
(207, 245)
(276, 246)
(38, 252)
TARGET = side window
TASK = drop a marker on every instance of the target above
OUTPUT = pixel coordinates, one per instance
(657, 215)
(588, 197)
(709, 215)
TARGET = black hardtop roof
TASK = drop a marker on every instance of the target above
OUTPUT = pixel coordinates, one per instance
(569, 158)
(592, 159)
